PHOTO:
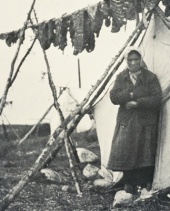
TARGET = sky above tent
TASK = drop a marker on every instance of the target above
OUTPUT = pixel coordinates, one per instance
(30, 92)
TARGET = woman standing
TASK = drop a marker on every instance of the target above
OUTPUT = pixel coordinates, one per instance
(138, 92)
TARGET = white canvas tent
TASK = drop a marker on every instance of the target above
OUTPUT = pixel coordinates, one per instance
(68, 101)
(155, 48)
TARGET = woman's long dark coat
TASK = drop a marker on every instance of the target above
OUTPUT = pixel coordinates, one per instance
(135, 137)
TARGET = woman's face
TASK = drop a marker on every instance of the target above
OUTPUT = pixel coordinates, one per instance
(134, 62)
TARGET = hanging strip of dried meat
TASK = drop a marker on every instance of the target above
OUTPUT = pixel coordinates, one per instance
(97, 17)
(138, 5)
(89, 37)
(12, 37)
(116, 7)
(130, 9)
(105, 9)
(57, 30)
(116, 24)
(60, 33)
(51, 27)
(77, 31)
(43, 35)
(121, 11)
(63, 33)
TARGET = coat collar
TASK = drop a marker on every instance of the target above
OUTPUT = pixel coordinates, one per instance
(141, 76)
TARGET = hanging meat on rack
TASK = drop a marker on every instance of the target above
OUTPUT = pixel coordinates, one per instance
(43, 38)
(105, 9)
(12, 37)
(138, 5)
(77, 31)
(131, 9)
(63, 33)
(60, 36)
(51, 27)
(97, 17)
(71, 30)
(89, 38)
(57, 30)
(117, 14)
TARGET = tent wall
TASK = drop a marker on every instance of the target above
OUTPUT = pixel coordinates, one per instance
(105, 116)
(156, 51)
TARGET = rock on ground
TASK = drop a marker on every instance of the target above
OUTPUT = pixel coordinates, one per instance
(122, 198)
(86, 156)
(90, 171)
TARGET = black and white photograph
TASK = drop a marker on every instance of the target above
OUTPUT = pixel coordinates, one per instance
(84, 105)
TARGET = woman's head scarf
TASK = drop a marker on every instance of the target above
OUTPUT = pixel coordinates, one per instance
(134, 48)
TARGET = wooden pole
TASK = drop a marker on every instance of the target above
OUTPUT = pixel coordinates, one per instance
(73, 172)
(66, 139)
(57, 107)
(22, 61)
(4, 96)
(79, 73)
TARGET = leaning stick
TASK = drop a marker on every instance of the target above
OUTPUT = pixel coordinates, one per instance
(53, 145)
(66, 139)
(54, 93)
(3, 99)
(71, 164)
(21, 62)
(56, 105)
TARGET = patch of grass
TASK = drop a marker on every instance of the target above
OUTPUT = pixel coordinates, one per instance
(10, 132)
(40, 195)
